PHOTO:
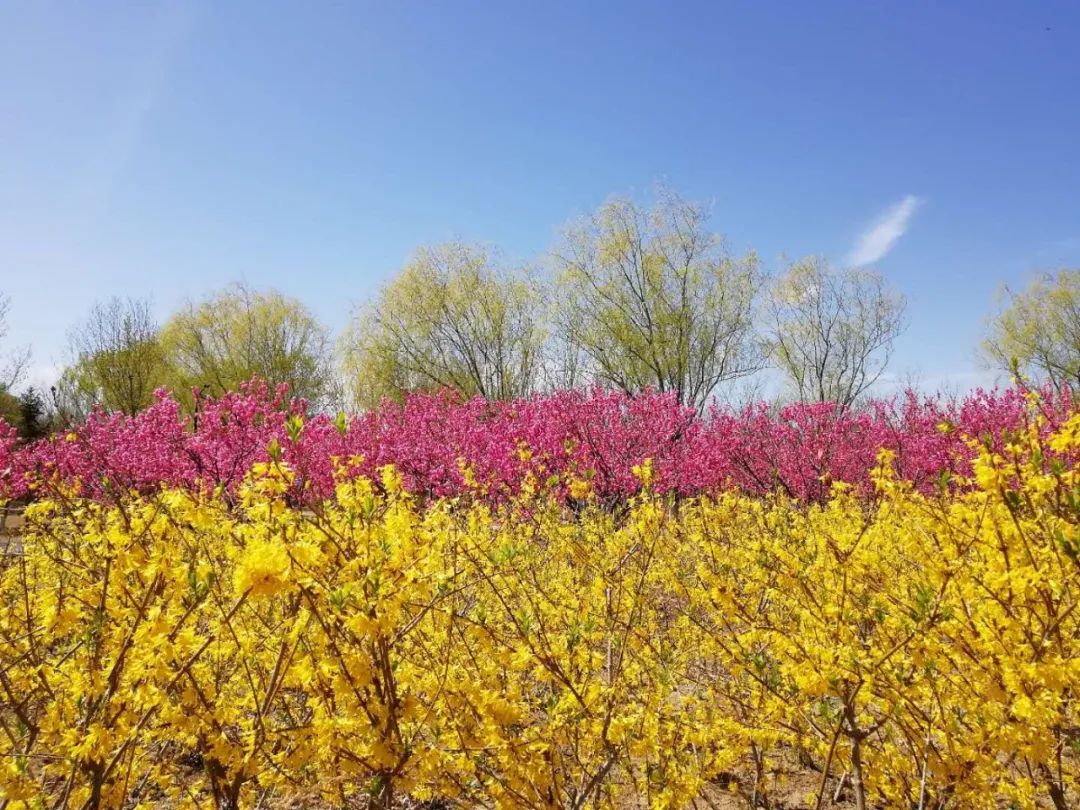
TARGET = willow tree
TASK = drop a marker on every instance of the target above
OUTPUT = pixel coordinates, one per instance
(652, 298)
(832, 330)
(1037, 331)
(453, 318)
(240, 333)
(117, 360)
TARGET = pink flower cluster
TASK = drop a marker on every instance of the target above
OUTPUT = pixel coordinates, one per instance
(597, 436)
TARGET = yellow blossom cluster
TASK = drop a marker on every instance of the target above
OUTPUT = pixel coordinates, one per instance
(186, 649)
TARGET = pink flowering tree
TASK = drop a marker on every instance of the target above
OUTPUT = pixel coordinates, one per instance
(446, 446)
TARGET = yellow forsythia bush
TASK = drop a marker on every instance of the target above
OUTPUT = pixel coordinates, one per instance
(911, 651)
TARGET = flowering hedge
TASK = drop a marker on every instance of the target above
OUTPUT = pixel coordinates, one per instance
(444, 447)
(181, 648)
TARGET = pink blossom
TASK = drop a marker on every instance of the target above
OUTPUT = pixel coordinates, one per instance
(596, 435)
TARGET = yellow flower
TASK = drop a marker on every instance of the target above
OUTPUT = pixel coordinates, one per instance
(392, 480)
(987, 475)
(579, 488)
(263, 569)
(643, 472)
(503, 655)
(1067, 437)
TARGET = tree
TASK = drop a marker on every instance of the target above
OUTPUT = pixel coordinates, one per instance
(12, 370)
(13, 367)
(1037, 331)
(833, 330)
(452, 319)
(653, 299)
(33, 415)
(118, 359)
(9, 409)
(240, 333)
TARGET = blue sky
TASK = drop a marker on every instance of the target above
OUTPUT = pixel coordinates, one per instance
(166, 149)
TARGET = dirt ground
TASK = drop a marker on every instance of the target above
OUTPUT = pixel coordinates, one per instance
(11, 522)
(786, 790)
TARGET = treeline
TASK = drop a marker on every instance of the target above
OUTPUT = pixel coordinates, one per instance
(635, 297)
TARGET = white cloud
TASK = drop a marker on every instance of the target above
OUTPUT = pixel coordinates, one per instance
(879, 238)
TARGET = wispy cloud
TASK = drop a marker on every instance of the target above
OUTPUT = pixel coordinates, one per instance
(879, 238)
